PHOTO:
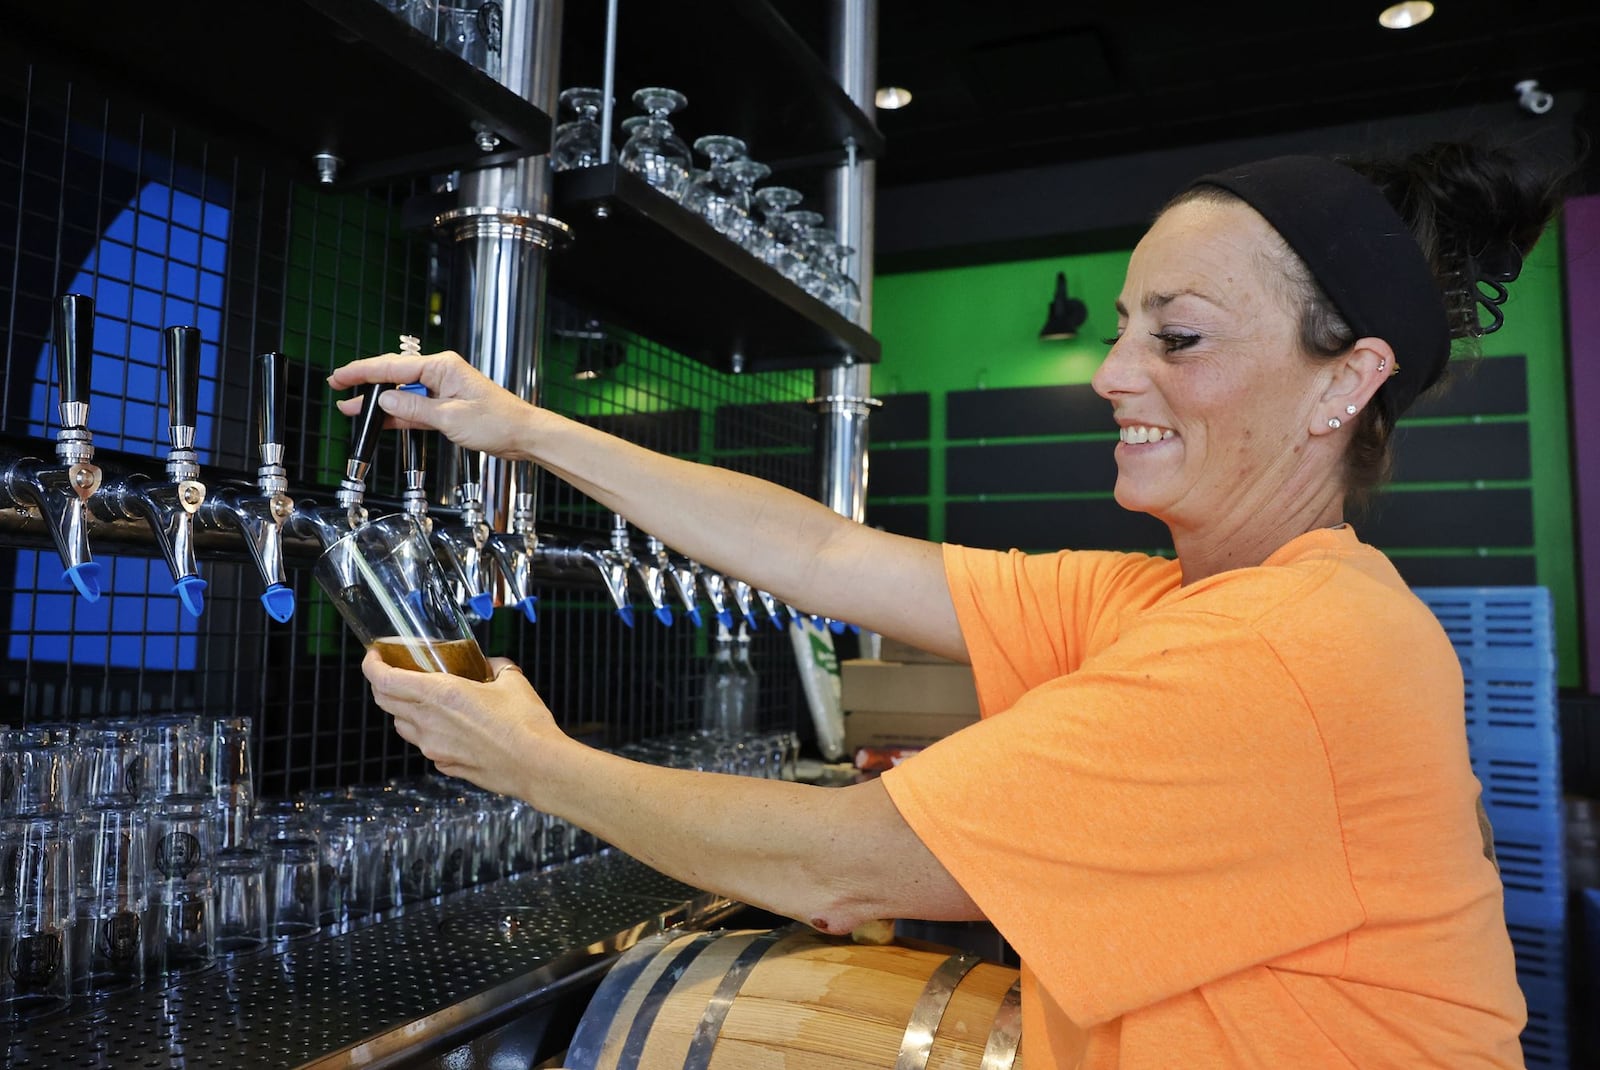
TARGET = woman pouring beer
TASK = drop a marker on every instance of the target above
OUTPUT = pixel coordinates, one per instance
(1221, 805)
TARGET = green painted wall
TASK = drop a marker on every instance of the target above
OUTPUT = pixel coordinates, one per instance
(977, 328)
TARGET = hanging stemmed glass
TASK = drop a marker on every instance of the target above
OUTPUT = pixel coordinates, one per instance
(708, 193)
(577, 142)
(654, 152)
(743, 174)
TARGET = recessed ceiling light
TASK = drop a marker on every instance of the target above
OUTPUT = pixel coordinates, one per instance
(1406, 15)
(891, 97)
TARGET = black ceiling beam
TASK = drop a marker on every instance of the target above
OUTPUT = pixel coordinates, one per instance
(1106, 203)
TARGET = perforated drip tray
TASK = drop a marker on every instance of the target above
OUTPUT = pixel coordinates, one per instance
(364, 996)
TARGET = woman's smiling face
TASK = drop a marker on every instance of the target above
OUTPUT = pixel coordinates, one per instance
(1207, 380)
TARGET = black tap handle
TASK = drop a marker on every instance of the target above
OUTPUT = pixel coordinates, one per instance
(74, 346)
(183, 374)
(364, 441)
(414, 447)
(468, 464)
(273, 381)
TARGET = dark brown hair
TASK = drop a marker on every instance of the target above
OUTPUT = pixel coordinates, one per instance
(1473, 210)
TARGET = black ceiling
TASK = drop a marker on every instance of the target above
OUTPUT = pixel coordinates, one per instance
(1007, 84)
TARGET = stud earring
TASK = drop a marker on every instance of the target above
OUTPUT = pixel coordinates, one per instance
(1350, 410)
(1383, 363)
(1335, 423)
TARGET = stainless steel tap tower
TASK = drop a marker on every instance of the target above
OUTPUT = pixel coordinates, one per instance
(502, 232)
(844, 392)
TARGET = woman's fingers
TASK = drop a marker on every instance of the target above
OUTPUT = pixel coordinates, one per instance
(432, 370)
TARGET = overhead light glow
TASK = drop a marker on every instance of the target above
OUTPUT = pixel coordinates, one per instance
(891, 97)
(1406, 15)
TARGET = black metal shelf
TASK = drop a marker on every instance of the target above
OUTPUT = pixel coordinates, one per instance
(292, 78)
(646, 263)
(743, 68)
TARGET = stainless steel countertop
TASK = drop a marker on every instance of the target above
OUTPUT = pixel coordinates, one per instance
(375, 995)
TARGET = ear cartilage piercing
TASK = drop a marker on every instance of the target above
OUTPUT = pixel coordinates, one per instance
(1349, 410)
(1383, 363)
(1335, 423)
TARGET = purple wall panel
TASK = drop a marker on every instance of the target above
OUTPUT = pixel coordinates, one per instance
(1581, 231)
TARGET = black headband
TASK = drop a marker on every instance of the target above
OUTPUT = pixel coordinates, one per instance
(1362, 255)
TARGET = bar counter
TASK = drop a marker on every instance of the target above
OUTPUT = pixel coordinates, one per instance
(396, 991)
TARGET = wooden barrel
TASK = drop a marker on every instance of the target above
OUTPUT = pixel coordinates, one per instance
(789, 997)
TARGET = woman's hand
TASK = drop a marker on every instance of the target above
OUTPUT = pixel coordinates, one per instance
(492, 734)
(465, 405)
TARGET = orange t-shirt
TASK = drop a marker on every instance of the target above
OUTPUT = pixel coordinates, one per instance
(1230, 824)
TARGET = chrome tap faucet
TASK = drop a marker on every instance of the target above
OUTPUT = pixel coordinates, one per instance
(467, 587)
(649, 569)
(464, 543)
(169, 508)
(260, 516)
(716, 588)
(741, 592)
(60, 492)
(330, 523)
(613, 565)
(681, 572)
(513, 551)
(774, 610)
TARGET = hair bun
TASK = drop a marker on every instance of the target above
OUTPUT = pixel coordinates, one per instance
(1476, 210)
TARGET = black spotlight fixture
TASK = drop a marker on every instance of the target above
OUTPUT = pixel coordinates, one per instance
(1067, 314)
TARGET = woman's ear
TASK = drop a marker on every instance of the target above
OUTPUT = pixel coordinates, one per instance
(1356, 378)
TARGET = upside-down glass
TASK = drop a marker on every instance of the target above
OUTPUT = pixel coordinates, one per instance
(471, 30)
(577, 142)
(799, 263)
(773, 202)
(112, 898)
(231, 773)
(113, 758)
(39, 963)
(241, 891)
(741, 222)
(653, 151)
(709, 193)
(396, 597)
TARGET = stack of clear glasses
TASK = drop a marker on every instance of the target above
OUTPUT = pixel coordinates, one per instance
(108, 836)
(768, 755)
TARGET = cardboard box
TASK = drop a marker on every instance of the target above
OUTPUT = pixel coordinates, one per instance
(895, 650)
(876, 728)
(894, 687)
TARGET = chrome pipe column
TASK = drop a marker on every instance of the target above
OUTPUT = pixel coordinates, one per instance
(844, 392)
(501, 232)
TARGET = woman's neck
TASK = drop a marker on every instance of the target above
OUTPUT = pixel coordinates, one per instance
(1204, 552)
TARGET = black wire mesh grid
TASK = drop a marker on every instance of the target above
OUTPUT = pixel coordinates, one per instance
(162, 225)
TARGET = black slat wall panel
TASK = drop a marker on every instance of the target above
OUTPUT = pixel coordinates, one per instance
(909, 520)
(901, 418)
(1450, 453)
(1462, 476)
(1031, 468)
(1450, 518)
(898, 473)
(1085, 524)
(1034, 410)
(1519, 570)
(1478, 386)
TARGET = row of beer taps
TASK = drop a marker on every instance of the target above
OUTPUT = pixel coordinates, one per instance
(489, 568)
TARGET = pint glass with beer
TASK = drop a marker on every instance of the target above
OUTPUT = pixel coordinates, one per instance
(396, 597)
